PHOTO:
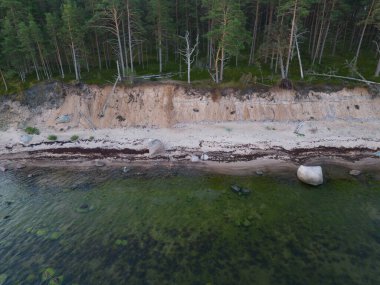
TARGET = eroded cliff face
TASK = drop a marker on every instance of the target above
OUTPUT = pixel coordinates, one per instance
(164, 105)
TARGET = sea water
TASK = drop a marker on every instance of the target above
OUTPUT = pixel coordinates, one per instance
(177, 225)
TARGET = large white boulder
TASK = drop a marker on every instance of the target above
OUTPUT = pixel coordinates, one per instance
(311, 175)
(156, 147)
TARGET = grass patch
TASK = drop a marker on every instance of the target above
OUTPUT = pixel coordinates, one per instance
(74, 138)
(32, 131)
(52, 138)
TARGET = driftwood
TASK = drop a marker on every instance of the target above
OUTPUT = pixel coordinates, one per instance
(347, 78)
(101, 114)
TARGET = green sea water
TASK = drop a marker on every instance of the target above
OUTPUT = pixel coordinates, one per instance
(178, 225)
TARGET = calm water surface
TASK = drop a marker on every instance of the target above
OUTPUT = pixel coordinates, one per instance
(181, 226)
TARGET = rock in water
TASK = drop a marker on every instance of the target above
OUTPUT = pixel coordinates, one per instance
(156, 147)
(311, 175)
(235, 188)
(3, 168)
(355, 172)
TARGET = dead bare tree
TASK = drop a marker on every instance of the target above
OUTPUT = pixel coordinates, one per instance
(118, 79)
(189, 53)
(377, 73)
(3, 78)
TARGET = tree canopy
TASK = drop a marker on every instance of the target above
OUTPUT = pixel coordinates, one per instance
(283, 38)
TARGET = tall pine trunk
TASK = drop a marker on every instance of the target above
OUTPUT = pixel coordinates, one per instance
(254, 34)
(363, 32)
(130, 37)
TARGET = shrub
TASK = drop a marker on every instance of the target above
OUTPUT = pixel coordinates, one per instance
(74, 138)
(52, 137)
(32, 131)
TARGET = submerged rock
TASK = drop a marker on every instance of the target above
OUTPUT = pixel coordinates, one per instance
(84, 208)
(156, 147)
(235, 188)
(240, 190)
(311, 175)
(355, 172)
(3, 278)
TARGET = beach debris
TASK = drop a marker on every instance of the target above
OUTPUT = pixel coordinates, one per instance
(298, 129)
(355, 172)
(311, 175)
(126, 169)
(194, 158)
(204, 157)
(25, 139)
(64, 119)
(156, 147)
(240, 190)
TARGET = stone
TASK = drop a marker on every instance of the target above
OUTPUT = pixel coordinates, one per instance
(25, 139)
(3, 278)
(194, 158)
(259, 172)
(156, 147)
(240, 190)
(245, 191)
(204, 157)
(3, 168)
(235, 188)
(20, 166)
(311, 175)
(99, 163)
(64, 119)
(355, 172)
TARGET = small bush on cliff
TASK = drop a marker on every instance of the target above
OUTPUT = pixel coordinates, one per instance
(52, 137)
(74, 138)
(32, 131)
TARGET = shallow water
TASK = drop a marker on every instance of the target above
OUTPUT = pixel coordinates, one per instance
(182, 226)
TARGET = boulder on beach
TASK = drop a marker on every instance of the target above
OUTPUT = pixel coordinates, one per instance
(204, 157)
(311, 175)
(194, 158)
(156, 147)
(25, 139)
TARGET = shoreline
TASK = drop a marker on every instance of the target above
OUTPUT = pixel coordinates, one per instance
(224, 143)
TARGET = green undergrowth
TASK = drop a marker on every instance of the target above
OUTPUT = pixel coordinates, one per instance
(261, 73)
